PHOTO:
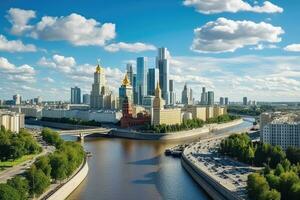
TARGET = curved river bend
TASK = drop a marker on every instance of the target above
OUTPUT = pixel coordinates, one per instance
(135, 169)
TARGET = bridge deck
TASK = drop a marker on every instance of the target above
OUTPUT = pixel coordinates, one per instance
(85, 131)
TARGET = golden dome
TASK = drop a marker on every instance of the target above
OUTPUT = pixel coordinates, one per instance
(126, 81)
(99, 69)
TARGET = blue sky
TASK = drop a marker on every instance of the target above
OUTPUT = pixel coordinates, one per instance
(234, 47)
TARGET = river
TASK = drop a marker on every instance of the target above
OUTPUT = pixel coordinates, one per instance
(135, 169)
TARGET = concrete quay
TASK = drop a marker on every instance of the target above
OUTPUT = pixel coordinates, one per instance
(180, 135)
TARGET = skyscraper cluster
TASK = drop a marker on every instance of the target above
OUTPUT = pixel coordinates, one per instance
(145, 80)
(207, 98)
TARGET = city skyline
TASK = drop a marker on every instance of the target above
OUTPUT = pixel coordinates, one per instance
(34, 60)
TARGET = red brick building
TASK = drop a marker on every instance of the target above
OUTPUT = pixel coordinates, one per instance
(128, 120)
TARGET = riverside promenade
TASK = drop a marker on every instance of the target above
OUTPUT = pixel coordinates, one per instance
(180, 135)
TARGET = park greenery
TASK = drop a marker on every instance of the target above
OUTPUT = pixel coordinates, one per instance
(280, 177)
(249, 110)
(73, 121)
(15, 146)
(54, 167)
(188, 124)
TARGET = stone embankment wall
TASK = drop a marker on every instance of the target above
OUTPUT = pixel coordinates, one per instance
(57, 125)
(212, 187)
(175, 135)
(67, 188)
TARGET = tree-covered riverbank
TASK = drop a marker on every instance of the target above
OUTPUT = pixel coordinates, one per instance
(47, 169)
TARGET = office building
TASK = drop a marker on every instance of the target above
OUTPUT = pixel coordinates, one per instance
(141, 78)
(210, 98)
(125, 91)
(245, 101)
(203, 96)
(37, 100)
(75, 95)
(186, 95)
(221, 101)
(226, 101)
(17, 99)
(129, 69)
(153, 79)
(86, 99)
(134, 88)
(172, 92)
(162, 63)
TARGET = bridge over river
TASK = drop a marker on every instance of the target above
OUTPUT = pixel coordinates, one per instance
(81, 133)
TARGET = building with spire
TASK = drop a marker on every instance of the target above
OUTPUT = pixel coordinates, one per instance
(160, 114)
(101, 96)
(128, 120)
(125, 91)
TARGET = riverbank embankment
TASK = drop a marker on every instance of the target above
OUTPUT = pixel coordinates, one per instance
(62, 191)
(180, 135)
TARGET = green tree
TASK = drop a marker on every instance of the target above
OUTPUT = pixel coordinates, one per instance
(293, 155)
(59, 165)
(8, 193)
(256, 186)
(287, 180)
(21, 185)
(273, 181)
(43, 163)
(279, 170)
(270, 195)
(38, 181)
(295, 191)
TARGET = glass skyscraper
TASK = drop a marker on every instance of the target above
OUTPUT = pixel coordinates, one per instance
(162, 63)
(141, 78)
(153, 79)
(75, 95)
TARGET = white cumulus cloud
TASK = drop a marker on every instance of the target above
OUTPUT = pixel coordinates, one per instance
(224, 35)
(62, 63)
(9, 71)
(75, 29)
(15, 45)
(293, 47)
(19, 19)
(219, 6)
(130, 47)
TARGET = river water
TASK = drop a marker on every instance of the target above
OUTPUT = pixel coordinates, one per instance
(135, 169)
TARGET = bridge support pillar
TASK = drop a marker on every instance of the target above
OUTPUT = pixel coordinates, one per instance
(80, 136)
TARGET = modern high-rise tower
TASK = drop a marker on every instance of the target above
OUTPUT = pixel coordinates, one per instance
(172, 92)
(186, 95)
(162, 63)
(141, 78)
(210, 98)
(203, 96)
(130, 73)
(153, 79)
(75, 95)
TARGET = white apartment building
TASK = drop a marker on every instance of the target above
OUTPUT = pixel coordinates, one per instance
(12, 121)
(283, 131)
